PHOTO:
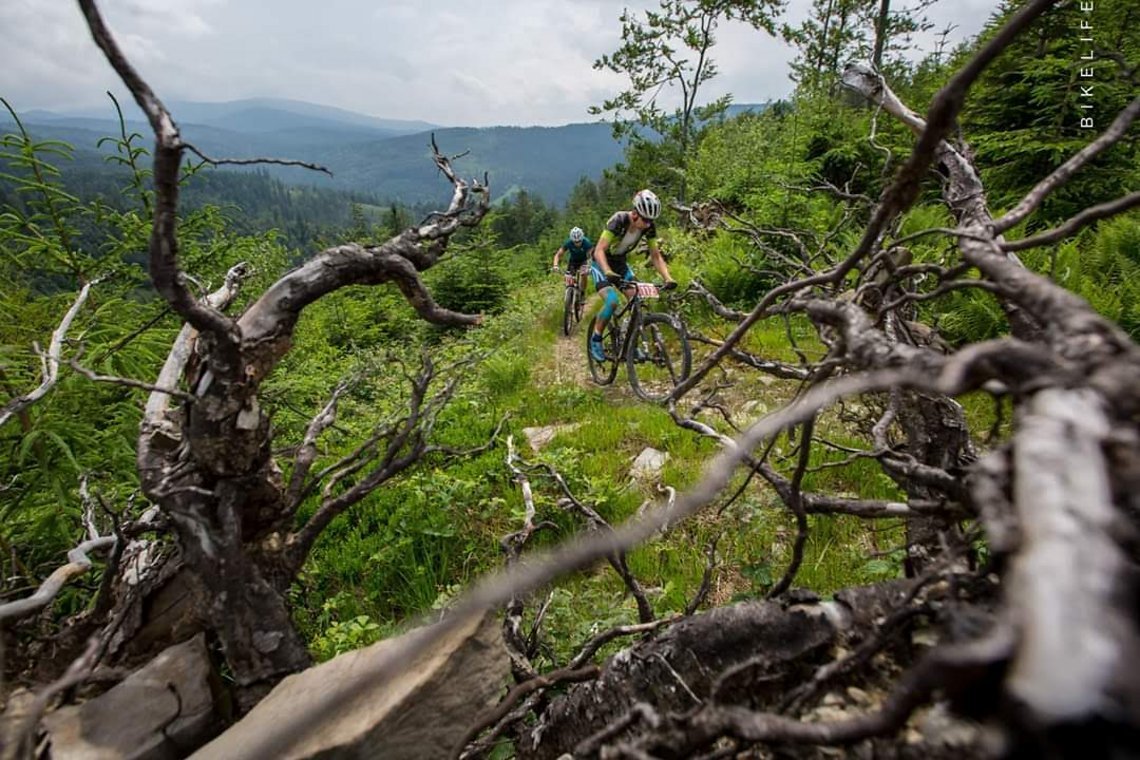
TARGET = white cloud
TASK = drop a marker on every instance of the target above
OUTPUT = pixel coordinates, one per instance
(477, 62)
(167, 17)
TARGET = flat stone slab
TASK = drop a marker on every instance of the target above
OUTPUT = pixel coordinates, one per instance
(422, 712)
(538, 437)
(161, 711)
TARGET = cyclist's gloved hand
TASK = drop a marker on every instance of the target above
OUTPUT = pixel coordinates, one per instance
(612, 277)
(669, 285)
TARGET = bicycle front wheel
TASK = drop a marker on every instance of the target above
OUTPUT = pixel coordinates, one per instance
(603, 371)
(568, 311)
(659, 358)
(579, 303)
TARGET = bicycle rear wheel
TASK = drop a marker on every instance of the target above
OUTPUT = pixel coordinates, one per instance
(659, 358)
(568, 311)
(604, 371)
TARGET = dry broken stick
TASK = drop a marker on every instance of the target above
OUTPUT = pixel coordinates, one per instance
(78, 563)
(618, 561)
(495, 716)
(388, 452)
(794, 500)
(255, 161)
(512, 546)
(307, 451)
(126, 382)
(50, 360)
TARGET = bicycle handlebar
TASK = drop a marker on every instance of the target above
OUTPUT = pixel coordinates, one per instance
(663, 287)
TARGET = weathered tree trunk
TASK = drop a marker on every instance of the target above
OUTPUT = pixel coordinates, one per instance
(936, 436)
(881, 27)
(751, 654)
(208, 464)
(934, 427)
(227, 495)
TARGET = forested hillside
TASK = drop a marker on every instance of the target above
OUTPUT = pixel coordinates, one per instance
(388, 165)
(891, 511)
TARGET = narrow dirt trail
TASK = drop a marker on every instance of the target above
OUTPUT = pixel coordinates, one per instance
(569, 358)
(567, 365)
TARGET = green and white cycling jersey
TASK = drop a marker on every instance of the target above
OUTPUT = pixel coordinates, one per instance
(623, 237)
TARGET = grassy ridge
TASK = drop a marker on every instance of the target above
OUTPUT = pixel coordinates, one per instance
(416, 542)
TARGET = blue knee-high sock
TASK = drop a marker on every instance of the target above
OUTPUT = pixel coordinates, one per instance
(611, 301)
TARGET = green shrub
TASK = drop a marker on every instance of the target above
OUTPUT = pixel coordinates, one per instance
(721, 267)
(505, 373)
(473, 283)
(341, 637)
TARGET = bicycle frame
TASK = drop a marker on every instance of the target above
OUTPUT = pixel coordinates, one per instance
(632, 306)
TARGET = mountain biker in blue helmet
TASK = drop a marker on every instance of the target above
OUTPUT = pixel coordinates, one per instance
(578, 246)
(624, 230)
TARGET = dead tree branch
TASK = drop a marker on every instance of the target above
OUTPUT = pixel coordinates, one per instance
(518, 693)
(512, 546)
(127, 382)
(255, 161)
(794, 501)
(1083, 219)
(618, 561)
(405, 444)
(164, 270)
(78, 563)
(179, 354)
(51, 360)
(1069, 571)
(307, 451)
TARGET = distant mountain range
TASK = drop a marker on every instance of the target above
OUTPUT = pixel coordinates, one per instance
(388, 158)
(253, 115)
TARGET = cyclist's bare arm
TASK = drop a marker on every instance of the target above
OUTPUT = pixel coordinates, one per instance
(557, 257)
(658, 261)
(600, 254)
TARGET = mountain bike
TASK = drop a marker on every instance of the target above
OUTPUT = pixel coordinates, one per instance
(575, 299)
(652, 344)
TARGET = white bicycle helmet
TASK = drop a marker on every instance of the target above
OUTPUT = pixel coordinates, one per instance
(576, 235)
(646, 204)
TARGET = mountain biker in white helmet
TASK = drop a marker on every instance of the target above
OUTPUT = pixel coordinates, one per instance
(578, 247)
(623, 232)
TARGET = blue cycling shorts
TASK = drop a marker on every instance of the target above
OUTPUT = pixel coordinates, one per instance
(600, 280)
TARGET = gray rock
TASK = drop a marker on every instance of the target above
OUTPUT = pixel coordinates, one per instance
(164, 710)
(648, 464)
(422, 712)
(538, 437)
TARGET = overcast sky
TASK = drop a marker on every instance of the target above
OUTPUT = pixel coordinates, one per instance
(450, 62)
